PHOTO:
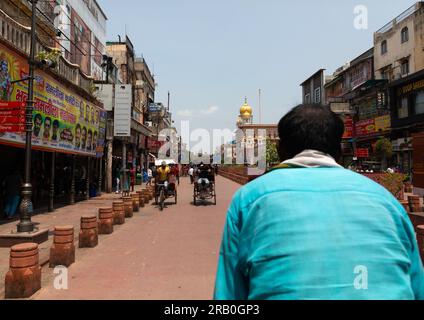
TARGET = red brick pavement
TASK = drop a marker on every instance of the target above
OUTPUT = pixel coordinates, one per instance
(156, 255)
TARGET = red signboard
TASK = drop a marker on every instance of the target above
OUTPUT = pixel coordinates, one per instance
(12, 128)
(12, 104)
(365, 128)
(12, 116)
(154, 144)
(12, 113)
(362, 153)
(348, 122)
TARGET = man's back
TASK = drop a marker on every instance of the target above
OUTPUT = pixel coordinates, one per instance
(324, 233)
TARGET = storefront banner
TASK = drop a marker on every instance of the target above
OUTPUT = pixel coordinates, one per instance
(411, 87)
(63, 121)
(362, 153)
(348, 122)
(365, 128)
(383, 123)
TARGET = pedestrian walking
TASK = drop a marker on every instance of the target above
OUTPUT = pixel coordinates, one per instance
(310, 229)
(149, 176)
(132, 178)
(118, 173)
(191, 174)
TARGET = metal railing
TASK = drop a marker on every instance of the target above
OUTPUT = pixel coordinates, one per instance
(408, 12)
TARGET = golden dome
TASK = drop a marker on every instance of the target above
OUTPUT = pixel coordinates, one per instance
(246, 110)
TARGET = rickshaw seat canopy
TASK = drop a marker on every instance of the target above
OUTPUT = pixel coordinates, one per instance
(168, 162)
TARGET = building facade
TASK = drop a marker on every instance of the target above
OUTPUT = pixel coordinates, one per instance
(82, 38)
(69, 123)
(313, 88)
(399, 58)
(133, 149)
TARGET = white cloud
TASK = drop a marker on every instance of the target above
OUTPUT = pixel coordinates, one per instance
(210, 110)
(185, 113)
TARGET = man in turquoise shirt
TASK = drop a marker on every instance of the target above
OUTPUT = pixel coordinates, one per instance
(310, 229)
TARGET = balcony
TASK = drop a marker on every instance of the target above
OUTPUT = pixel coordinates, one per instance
(18, 36)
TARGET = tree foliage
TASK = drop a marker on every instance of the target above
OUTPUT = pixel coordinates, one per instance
(384, 148)
(272, 153)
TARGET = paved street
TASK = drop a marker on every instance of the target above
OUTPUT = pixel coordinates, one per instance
(168, 255)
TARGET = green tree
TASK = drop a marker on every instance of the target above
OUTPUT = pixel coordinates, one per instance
(384, 150)
(272, 157)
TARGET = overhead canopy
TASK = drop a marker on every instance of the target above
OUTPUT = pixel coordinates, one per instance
(168, 162)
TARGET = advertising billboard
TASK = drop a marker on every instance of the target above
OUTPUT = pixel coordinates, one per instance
(365, 128)
(123, 101)
(62, 120)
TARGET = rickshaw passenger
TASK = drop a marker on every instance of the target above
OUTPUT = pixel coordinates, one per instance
(204, 174)
(163, 174)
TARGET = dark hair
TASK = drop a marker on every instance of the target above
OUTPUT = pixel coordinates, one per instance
(47, 119)
(38, 116)
(56, 123)
(310, 127)
(78, 127)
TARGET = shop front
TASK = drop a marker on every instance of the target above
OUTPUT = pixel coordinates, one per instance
(367, 134)
(407, 107)
(68, 135)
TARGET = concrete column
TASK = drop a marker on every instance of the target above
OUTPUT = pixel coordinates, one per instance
(52, 177)
(72, 200)
(99, 191)
(109, 162)
(88, 178)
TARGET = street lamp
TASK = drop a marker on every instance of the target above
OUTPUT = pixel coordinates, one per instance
(26, 207)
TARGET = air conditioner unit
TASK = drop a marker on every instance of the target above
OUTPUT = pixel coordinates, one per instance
(149, 124)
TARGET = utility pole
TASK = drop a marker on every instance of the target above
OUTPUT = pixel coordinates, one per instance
(26, 208)
(260, 106)
(169, 99)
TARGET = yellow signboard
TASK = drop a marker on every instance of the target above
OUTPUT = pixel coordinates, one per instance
(383, 123)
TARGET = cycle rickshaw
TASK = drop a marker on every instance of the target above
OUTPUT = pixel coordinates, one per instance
(165, 190)
(204, 191)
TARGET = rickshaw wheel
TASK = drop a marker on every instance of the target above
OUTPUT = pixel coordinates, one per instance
(161, 199)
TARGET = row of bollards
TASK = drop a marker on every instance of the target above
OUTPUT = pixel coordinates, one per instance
(24, 276)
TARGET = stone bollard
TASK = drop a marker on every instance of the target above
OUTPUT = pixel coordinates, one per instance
(140, 199)
(414, 203)
(405, 204)
(144, 196)
(151, 194)
(106, 219)
(136, 202)
(88, 236)
(420, 239)
(128, 207)
(62, 253)
(118, 213)
(24, 276)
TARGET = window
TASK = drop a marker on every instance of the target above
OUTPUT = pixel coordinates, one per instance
(317, 98)
(419, 102)
(405, 67)
(404, 35)
(307, 98)
(384, 47)
(403, 108)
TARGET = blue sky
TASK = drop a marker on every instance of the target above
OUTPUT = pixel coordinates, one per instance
(210, 54)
